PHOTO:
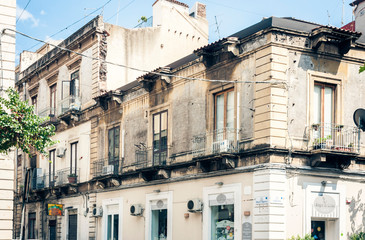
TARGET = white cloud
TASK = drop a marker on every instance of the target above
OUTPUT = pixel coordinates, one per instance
(26, 16)
(43, 12)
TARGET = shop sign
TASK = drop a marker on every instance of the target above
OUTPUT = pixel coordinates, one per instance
(246, 231)
(55, 209)
(324, 204)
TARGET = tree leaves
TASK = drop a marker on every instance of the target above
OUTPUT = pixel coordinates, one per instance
(20, 127)
(362, 69)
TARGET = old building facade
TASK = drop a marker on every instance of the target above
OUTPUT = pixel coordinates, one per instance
(249, 137)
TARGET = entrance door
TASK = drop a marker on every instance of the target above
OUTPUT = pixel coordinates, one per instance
(318, 230)
(72, 226)
(52, 229)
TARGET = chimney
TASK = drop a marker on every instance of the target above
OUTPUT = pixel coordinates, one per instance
(198, 10)
(359, 12)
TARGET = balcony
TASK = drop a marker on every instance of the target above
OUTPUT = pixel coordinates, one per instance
(220, 141)
(146, 158)
(62, 177)
(47, 112)
(334, 138)
(69, 104)
(106, 167)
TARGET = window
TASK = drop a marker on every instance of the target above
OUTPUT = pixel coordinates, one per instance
(113, 148)
(113, 222)
(159, 216)
(324, 99)
(34, 104)
(73, 159)
(318, 230)
(72, 225)
(52, 101)
(75, 84)
(160, 138)
(223, 115)
(221, 218)
(159, 224)
(51, 170)
(31, 225)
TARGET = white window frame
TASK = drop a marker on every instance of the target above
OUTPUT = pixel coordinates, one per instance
(153, 197)
(207, 214)
(105, 204)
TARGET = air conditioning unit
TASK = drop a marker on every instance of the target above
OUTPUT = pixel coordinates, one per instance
(195, 205)
(223, 146)
(75, 106)
(60, 152)
(97, 212)
(136, 210)
(109, 169)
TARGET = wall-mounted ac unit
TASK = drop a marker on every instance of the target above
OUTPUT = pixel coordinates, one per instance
(136, 210)
(97, 212)
(60, 152)
(223, 146)
(194, 205)
(75, 106)
(108, 169)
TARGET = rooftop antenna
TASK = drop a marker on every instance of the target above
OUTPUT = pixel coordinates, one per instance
(116, 22)
(329, 18)
(359, 119)
(216, 23)
(343, 4)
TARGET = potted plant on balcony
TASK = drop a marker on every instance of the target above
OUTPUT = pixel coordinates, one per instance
(315, 126)
(72, 178)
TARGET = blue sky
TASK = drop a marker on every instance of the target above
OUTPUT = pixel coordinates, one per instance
(43, 18)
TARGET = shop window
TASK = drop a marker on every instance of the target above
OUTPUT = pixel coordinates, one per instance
(159, 224)
(31, 225)
(318, 230)
(159, 216)
(222, 222)
(113, 222)
(160, 138)
(53, 97)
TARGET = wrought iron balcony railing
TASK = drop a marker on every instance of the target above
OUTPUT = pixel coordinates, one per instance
(69, 103)
(61, 177)
(47, 112)
(108, 166)
(215, 142)
(150, 157)
(334, 137)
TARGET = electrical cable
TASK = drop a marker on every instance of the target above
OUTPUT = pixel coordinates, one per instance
(72, 24)
(121, 10)
(142, 70)
(23, 11)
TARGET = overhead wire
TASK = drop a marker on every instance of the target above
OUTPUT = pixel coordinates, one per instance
(120, 10)
(23, 11)
(143, 70)
(72, 24)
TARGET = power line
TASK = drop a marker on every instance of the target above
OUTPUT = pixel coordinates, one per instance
(121, 9)
(142, 70)
(72, 24)
(23, 11)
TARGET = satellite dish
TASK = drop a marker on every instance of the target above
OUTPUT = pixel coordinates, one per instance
(359, 118)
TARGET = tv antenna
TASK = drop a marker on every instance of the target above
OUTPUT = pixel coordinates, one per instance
(216, 23)
(343, 4)
(359, 119)
(329, 18)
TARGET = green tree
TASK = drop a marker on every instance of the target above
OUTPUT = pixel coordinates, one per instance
(362, 69)
(20, 127)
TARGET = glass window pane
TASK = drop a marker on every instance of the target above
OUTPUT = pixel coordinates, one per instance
(328, 105)
(116, 227)
(163, 121)
(317, 104)
(230, 109)
(116, 144)
(156, 123)
(109, 228)
(222, 222)
(219, 117)
(110, 144)
(159, 224)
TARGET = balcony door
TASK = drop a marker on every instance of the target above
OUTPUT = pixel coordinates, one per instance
(324, 109)
(52, 168)
(113, 148)
(160, 138)
(223, 114)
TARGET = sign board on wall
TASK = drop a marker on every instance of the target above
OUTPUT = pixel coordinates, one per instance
(55, 209)
(246, 231)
